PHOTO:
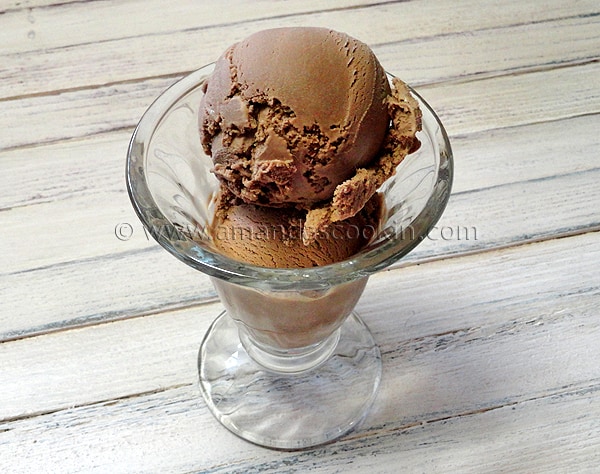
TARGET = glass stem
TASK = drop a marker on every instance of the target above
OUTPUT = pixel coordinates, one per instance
(289, 361)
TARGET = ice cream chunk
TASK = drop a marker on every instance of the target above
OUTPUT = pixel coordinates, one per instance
(272, 237)
(290, 113)
(400, 140)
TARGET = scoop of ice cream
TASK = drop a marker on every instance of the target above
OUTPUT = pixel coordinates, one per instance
(305, 118)
(272, 237)
(291, 113)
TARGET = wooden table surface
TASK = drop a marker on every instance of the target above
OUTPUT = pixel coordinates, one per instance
(489, 330)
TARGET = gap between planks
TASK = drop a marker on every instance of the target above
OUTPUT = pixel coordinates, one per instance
(506, 21)
(570, 216)
(176, 18)
(106, 402)
(460, 79)
(550, 393)
(530, 330)
(454, 103)
(87, 321)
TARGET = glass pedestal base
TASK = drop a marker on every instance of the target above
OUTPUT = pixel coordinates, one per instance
(285, 410)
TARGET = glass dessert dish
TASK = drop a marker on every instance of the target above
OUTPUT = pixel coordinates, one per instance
(288, 364)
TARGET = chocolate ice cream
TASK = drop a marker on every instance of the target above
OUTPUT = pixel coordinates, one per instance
(290, 113)
(272, 237)
(303, 128)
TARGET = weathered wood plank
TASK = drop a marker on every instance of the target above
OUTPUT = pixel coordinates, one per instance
(101, 289)
(89, 166)
(37, 175)
(76, 114)
(86, 22)
(140, 277)
(464, 107)
(506, 353)
(399, 40)
(31, 25)
(89, 226)
(524, 153)
(126, 365)
(467, 55)
(513, 213)
(500, 102)
(437, 314)
(171, 431)
(8, 5)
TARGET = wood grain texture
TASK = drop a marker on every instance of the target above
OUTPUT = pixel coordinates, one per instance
(496, 301)
(124, 278)
(170, 431)
(461, 368)
(19, 5)
(571, 92)
(500, 102)
(84, 23)
(162, 43)
(488, 330)
(93, 164)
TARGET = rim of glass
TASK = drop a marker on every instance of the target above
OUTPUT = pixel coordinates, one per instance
(367, 261)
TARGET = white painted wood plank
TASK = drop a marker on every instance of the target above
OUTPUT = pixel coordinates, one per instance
(101, 289)
(69, 230)
(102, 362)
(65, 170)
(456, 364)
(139, 276)
(503, 291)
(517, 212)
(501, 102)
(8, 5)
(494, 51)
(76, 114)
(86, 22)
(436, 314)
(33, 27)
(89, 201)
(400, 41)
(91, 166)
(171, 432)
(525, 153)
(464, 108)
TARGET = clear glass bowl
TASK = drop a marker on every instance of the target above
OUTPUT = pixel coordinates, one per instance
(288, 364)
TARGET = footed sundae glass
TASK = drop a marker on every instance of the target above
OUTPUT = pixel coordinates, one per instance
(288, 364)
